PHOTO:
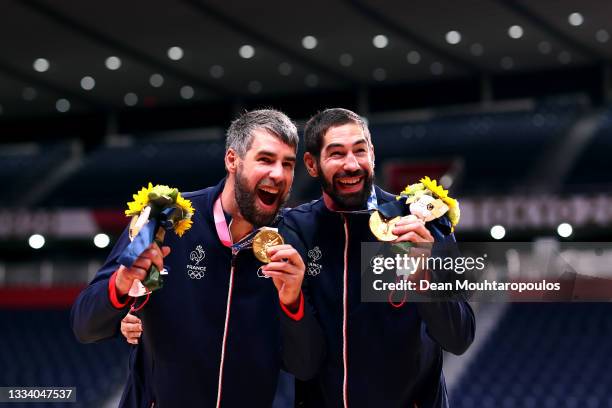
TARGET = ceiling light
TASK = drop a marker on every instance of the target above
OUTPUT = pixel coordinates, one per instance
(113, 63)
(379, 74)
(447, 181)
(88, 83)
(130, 99)
(101, 240)
(284, 68)
(380, 41)
(602, 36)
(346, 60)
(41, 65)
(453, 37)
(515, 31)
(156, 80)
(29, 93)
(544, 47)
(309, 42)
(187, 92)
(565, 230)
(216, 71)
(498, 232)
(575, 19)
(413, 57)
(246, 51)
(311, 80)
(62, 105)
(436, 68)
(255, 87)
(507, 63)
(36, 241)
(175, 53)
(476, 49)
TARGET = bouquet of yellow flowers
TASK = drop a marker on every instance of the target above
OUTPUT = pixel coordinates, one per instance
(155, 210)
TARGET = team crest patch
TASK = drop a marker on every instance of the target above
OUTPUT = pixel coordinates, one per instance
(314, 268)
(194, 270)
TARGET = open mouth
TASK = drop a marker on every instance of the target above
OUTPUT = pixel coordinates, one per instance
(350, 184)
(268, 195)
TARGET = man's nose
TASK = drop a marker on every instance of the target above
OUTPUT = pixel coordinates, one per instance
(276, 173)
(350, 163)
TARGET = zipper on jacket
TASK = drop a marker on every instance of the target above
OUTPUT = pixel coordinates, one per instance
(226, 326)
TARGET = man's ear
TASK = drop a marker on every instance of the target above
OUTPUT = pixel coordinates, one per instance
(311, 164)
(231, 161)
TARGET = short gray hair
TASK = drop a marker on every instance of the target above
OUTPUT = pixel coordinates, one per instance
(240, 132)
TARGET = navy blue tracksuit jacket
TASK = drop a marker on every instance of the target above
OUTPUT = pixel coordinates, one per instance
(214, 335)
(377, 355)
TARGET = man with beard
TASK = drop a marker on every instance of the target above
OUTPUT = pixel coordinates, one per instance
(216, 335)
(378, 354)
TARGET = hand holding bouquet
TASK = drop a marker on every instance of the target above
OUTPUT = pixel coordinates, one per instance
(155, 210)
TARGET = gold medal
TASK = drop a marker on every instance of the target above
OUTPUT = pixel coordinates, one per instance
(381, 228)
(264, 239)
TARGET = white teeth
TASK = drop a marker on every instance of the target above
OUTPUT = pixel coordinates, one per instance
(350, 180)
(270, 190)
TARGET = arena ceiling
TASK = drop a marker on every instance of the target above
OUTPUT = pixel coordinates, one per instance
(63, 56)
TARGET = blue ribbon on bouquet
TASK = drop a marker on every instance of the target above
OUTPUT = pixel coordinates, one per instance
(144, 238)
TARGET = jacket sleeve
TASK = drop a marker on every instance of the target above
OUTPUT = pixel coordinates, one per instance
(450, 323)
(303, 343)
(93, 316)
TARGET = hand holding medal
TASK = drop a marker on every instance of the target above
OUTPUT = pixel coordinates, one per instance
(426, 201)
(282, 263)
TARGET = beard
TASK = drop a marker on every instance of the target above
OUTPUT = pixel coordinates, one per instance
(348, 201)
(247, 204)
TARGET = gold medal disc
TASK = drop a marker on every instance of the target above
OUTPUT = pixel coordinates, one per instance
(381, 228)
(264, 239)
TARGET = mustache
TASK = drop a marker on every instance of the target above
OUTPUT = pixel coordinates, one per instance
(270, 183)
(357, 173)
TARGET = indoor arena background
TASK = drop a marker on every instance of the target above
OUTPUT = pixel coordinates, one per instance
(506, 102)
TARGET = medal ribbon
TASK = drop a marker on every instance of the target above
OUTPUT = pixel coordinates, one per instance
(223, 230)
(387, 211)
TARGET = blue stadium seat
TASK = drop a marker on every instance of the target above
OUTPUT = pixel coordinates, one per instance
(38, 348)
(543, 355)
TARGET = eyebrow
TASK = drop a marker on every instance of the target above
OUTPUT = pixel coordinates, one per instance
(334, 145)
(272, 154)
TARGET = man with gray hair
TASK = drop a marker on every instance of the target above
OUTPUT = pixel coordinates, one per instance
(220, 330)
